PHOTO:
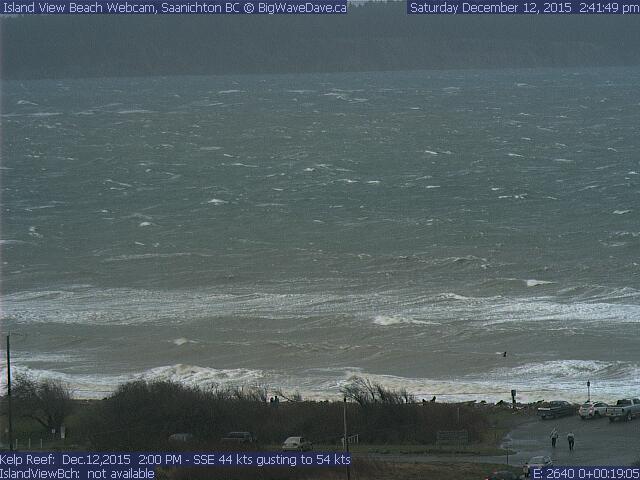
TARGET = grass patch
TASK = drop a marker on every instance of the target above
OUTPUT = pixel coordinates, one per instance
(473, 449)
(360, 470)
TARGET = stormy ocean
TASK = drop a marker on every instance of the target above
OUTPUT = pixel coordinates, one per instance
(292, 231)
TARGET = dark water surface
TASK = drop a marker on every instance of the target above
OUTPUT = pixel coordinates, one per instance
(295, 230)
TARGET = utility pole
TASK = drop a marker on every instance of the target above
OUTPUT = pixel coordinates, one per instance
(346, 437)
(10, 419)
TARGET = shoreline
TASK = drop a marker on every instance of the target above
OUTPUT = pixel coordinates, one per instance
(95, 387)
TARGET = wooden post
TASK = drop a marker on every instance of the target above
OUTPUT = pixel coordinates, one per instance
(9, 415)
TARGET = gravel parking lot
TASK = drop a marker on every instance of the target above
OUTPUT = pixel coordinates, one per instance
(598, 441)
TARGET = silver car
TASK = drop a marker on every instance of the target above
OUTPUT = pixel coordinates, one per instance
(592, 409)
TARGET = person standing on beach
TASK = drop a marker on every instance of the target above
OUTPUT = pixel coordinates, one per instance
(571, 440)
(554, 437)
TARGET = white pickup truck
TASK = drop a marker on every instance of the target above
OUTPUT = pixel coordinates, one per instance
(626, 409)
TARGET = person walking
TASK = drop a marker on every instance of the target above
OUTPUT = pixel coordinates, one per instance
(571, 439)
(554, 437)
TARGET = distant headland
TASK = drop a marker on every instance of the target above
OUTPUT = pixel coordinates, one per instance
(374, 36)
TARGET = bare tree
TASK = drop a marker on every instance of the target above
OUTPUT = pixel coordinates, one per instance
(365, 392)
(48, 401)
(361, 390)
(290, 397)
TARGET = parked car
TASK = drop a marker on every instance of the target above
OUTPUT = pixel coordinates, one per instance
(503, 475)
(181, 437)
(554, 409)
(299, 444)
(625, 409)
(592, 409)
(239, 437)
(536, 462)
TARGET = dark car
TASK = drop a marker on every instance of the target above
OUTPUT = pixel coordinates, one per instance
(554, 409)
(239, 437)
(181, 437)
(503, 475)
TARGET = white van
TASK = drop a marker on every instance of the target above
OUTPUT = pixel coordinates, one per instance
(299, 444)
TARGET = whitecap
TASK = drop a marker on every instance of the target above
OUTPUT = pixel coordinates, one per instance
(207, 149)
(93, 386)
(574, 369)
(336, 95)
(152, 256)
(621, 212)
(122, 184)
(431, 152)
(33, 232)
(26, 102)
(514, 154)
(133, 111)
(41, 207)
(450, 296)
(217, 201)
(389, 320)
(224, 92)
(535, 283)
(195, 375)
(432, 186)
(145, 224)
(238, 164)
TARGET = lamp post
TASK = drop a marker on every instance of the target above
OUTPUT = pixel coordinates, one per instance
(506, 371)
(346, 437)
(588, 390)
